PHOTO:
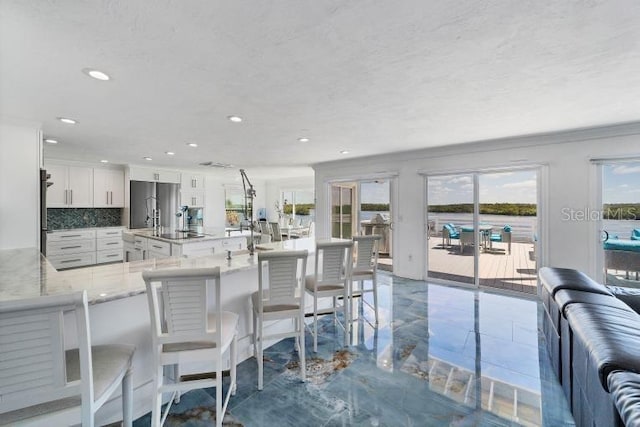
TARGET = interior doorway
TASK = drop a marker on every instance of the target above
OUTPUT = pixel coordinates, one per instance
(362, 207)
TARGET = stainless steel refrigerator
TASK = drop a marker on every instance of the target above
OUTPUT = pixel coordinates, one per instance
(147, 196)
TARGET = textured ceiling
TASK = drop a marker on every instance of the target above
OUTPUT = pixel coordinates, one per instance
(370, 77)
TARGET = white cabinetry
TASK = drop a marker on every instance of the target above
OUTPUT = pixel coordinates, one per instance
(209, 247)
(159, 175)
(74, 248)
(192, 182)
(192, 190)
(81, 247)
(72, 186)
(158, 249)
(192, 199)
(109, 245)
(108, 188)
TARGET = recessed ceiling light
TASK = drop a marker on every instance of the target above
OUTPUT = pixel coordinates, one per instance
(67, 120)
(147, 158)
(96, 74)
(303, 139)
(104, 161)
(50, 141)
(344, 152)
(192, 144)
(169, 153)
(235, 119)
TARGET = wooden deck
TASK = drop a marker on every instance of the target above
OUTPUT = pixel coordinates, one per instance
(497, 269)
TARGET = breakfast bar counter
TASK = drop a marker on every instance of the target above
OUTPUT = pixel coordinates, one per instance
(118, 308)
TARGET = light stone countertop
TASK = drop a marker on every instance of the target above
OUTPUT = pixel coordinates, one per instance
(148, 233)
(25, 273)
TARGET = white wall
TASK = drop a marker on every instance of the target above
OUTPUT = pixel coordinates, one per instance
(20, 160)
(566, 157)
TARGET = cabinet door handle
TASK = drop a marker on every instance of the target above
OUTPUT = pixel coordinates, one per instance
(112, 243)
(71, 192)
(112, 232)
(193, 200)
(112, 255)
(66, 236)
(107, 197)
(65, 197)
(194, 183)
(71, 247)
(71, 260)
(157, 247)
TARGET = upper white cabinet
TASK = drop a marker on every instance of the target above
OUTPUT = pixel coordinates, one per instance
(108, 188)
(192, 190)
(148, 174)
(72, 186)
(192, 182)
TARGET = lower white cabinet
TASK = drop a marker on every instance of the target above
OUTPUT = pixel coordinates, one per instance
(158, 249)
(82, 247)
(71, 248)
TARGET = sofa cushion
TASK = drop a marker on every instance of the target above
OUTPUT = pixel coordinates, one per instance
(610, 336)
(625, 389)
(554, 279)
(630, 296)
(622, 245)
(564, 297)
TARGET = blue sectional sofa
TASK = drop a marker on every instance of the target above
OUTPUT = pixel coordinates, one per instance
(593, 337)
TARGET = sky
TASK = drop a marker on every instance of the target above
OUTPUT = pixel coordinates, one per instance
(621, 183)
(503, 187)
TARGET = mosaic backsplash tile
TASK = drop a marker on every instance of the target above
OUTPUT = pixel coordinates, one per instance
(63, 218)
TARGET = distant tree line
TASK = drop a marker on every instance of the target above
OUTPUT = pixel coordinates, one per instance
(301, 208)
(375, 207)
(621, 211)
(511, 209)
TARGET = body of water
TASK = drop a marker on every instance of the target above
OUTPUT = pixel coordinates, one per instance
(523, 227)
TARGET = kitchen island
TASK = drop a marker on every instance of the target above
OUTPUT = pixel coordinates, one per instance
(118, 308)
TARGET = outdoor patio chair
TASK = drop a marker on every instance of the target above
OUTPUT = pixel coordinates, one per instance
(449, 232)
(466, 238)
(504, 236)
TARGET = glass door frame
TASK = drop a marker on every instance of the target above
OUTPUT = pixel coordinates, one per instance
(541, 217)
(355, 180)
(596, 249)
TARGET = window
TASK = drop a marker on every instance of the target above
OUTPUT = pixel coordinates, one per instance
(298, 206)
(234, 206)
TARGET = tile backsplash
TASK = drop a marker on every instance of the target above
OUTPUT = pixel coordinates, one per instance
(63, 218)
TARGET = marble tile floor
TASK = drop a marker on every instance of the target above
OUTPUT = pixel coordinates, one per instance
(441, 356)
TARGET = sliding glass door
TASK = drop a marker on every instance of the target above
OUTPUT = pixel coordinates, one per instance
(450, 219)
(342, 212)
(482, 228)
(619, 220)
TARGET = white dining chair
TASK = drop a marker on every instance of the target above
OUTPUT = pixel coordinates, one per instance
(185, 328)
(41, 382)
(280, 296)
(365, 268)
(331, 278)
(276, 232)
